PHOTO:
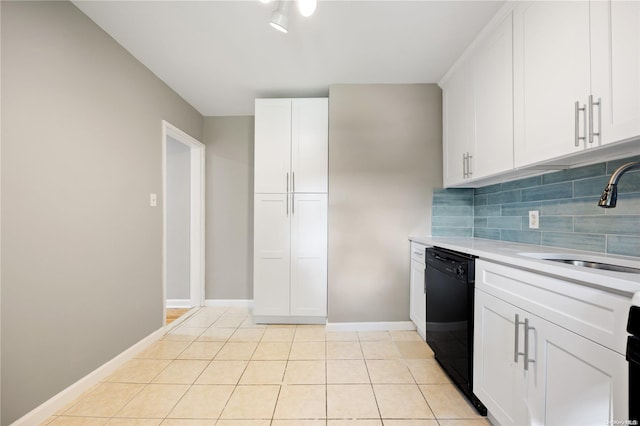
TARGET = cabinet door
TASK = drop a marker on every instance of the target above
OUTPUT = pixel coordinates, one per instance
(492, 77)
(456, 115)
(272, 146)
(418, 306)
(577, 381)
(310, 145)
(309, 255)
(271, 254)
(551, 73)
(615, 65)
(498, 381)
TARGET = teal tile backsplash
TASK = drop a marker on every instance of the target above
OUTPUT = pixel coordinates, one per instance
(452, 212)
(567, 202)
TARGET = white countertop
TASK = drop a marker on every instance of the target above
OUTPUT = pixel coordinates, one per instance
(506, 252)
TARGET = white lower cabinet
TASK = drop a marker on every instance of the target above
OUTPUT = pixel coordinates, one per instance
(417, 296)
(308, 284)
(576, 381)
(290, 257)
(530, 371)
(498, 381)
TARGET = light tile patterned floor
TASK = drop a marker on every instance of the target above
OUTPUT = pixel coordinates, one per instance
(219, 368)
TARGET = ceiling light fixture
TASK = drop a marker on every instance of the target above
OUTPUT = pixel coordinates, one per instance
(307, 7)
(280, 17)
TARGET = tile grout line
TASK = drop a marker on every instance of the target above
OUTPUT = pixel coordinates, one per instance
(177, 357)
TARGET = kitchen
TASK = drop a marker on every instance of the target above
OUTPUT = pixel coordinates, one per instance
(371, 247)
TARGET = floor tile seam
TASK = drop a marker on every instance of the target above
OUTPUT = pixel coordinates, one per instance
(138, 393)
(181, 383)
(372, 390)
(326, 386)
(427, 400)
(94, 389)
(190, 387)
(390, 418)
(176, 359)
(79, 416)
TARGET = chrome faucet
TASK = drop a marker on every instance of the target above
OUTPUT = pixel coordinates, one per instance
(610, 193)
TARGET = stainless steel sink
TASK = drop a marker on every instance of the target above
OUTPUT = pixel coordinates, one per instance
(585, 261)
(598, 265)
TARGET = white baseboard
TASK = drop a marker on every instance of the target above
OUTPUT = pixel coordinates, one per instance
(67, 395)
(371, 326)
(275, 319)
(237, 303)
(179, 303)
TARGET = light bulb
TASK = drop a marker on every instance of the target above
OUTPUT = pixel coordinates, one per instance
(307, 7)
(278, 27)
(280, 17)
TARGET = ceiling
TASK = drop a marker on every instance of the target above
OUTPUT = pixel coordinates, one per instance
(220, 55)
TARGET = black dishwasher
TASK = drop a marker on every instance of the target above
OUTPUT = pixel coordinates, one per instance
(449, 286)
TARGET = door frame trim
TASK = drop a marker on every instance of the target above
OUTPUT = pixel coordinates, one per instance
(197, 219)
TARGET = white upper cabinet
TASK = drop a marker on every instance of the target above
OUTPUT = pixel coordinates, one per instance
(272, 146)
(551, 76)
(615, 67)
(542, 86)
(310, 145)
(456, 115)
(477, 103)
(291, 145)
(576, 75)
(492, 79)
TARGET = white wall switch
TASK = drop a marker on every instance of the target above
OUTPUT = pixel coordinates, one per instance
(153, 200)
(534, 219)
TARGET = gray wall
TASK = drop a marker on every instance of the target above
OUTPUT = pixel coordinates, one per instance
(178, 220)
(385, 157)
(81, 151)
(229, 207)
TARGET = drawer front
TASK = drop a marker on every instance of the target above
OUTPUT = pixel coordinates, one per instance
(418, 251)
(592, 313)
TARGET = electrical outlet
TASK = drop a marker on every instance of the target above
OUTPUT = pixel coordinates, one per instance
(153, 200)
(534, 219)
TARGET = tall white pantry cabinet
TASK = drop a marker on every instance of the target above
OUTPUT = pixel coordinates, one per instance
(290, 210)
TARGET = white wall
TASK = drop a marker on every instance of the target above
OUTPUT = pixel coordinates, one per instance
(81, 152)
(178, 193)
(385, 157)
(229, 207)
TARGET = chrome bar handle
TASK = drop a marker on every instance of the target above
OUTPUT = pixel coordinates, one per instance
(526, 344)
(464, 165)
(517, 336)
(293, 179)
(287, 197)
(591, 104)
(469, 169)
(287, 182)
(578, 138)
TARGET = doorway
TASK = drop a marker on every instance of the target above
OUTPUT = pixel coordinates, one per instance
(183, 219)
